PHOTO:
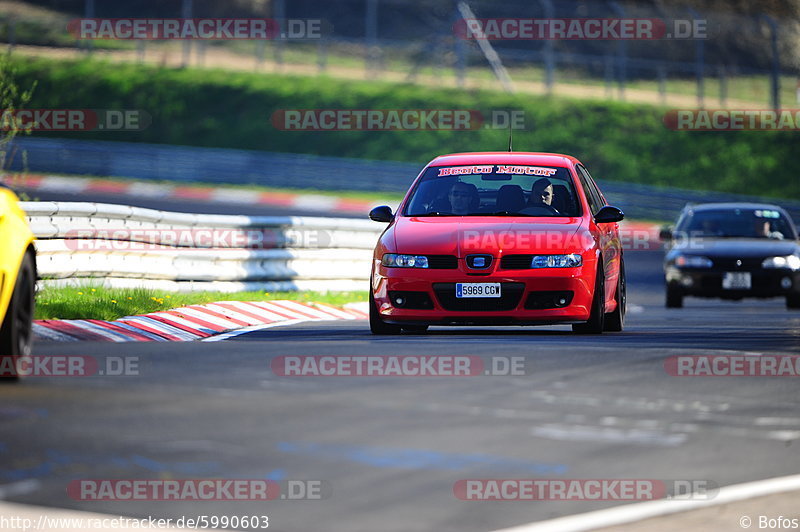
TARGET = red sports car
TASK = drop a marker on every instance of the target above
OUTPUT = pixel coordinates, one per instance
(499, 239)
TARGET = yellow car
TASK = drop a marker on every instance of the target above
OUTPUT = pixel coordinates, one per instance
(17, 282)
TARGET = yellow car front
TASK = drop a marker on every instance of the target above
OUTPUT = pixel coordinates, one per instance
(17, 283)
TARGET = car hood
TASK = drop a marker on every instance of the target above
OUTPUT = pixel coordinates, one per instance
(461, 236)
(736, 247)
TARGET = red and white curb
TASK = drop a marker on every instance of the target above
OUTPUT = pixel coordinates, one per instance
(239, 196)
(217, 321)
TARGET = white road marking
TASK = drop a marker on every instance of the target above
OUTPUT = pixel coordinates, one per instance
(556, 431)
(245, 330)
(23, 487)
(630, 513)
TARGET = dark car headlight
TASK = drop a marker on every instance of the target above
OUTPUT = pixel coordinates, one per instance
(787, 262)
(395, 260)
(693, 261)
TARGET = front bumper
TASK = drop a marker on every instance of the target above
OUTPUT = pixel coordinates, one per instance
(524, 293)
(707, 282)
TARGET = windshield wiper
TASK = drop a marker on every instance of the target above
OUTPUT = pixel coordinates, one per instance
(435, 213)
(508, 213)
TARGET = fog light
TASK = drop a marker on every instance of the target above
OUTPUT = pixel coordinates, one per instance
(399, 301)
(786, 283)
(687, 281)
(562, 302)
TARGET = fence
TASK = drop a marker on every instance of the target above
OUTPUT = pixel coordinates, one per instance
(121, 246)
(742, 58)
(284, 170)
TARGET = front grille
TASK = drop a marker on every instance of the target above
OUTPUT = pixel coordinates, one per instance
(442, 262)
(516, 262)
(510, 295)
(729, 263)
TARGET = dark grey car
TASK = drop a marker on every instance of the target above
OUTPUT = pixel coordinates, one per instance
(732, 251)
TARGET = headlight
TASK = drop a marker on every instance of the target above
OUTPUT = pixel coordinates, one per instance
(393, 260)
(693, 261)
(789, 262)
(556, 261)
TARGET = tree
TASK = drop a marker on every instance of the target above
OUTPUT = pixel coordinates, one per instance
(11, 100)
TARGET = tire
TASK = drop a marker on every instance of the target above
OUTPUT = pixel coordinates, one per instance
(16, 334)
(615, 321)
(793, 301)
(415, 329)
(674, 297)
(596, 321)
(376, 324)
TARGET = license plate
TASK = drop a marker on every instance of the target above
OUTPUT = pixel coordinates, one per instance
(477, 290)
(737, 281)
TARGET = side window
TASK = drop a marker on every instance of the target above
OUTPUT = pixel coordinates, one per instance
(595, 188)
(592, 196)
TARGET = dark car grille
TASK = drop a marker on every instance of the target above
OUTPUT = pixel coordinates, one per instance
(729, 263)
(442, 262)
(516, 262)
(511, 293)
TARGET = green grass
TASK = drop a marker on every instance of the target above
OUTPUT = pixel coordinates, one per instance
(109, 304)
(618, 141)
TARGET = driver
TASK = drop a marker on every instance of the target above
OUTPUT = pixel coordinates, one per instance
(542, 194)
(764, 230)
(462, 196)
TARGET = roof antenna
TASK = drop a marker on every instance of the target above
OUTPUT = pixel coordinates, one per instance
(510, 131)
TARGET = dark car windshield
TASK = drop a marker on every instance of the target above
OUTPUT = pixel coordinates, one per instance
(742, 223)
(494, 190)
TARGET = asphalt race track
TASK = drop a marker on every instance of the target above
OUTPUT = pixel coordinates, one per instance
(391, 449)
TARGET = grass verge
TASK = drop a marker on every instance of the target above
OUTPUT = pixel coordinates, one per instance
(111, 304)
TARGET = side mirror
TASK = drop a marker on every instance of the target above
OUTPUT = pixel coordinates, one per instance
(608, 214)
(665, 234)
(381, 214)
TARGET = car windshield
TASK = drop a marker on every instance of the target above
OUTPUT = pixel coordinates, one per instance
(741, 223)
(494, 190)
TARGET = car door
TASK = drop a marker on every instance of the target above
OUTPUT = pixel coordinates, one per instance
(606, 234)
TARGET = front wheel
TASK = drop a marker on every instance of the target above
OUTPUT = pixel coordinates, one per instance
(674, 297)
(596, 321)
(615, 321)
(376, 324)
(16, 334)
(793, 301)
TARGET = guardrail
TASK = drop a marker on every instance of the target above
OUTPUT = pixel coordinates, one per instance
(122, 246)
(286, 170)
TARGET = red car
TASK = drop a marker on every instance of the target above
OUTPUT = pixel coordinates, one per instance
(499, 239)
